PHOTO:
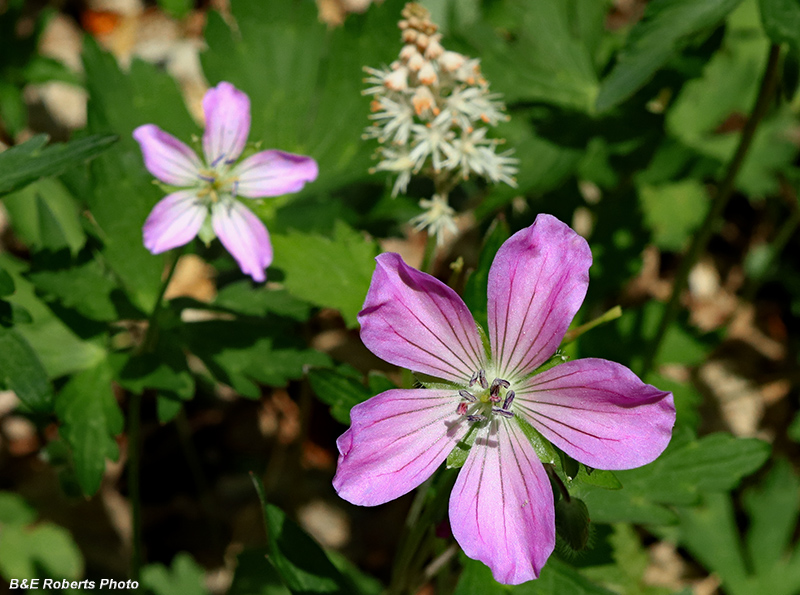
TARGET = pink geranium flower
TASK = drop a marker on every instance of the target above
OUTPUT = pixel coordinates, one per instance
(211, 186)
(597, 411)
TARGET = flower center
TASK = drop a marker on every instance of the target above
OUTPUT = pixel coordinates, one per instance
(216, 184)
(483, 400)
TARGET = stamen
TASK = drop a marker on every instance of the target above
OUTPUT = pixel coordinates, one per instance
(462, 408)
(476, 417)
(235, 189)
(482, 379)
(502, 412)
(496, 384)
(473, 379)
(465, 394)
(209, 179)
(217, 160)
(509, 399)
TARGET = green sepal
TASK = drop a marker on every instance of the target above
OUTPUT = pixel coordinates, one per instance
(570, 466)
(559, 357)
(206, 233)
(458, 456)
(544, 450)
(572, 522)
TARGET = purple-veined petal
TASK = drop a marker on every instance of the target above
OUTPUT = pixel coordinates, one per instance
(599, 413)
(536, 284)
(395, 442)
(167, 158)
(244, 236)
(501, 507)
(273, 173)
(415, 321)
(227, 111)
(174, 221)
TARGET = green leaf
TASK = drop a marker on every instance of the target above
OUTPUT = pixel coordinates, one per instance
(91, 419)
(255, 575)
(25, 163)
(177, 8)
(687, 469)
(773, 507)
(342, 391)
(710, 532)
(22, 372)
(476, 579)
(556, 578)
(167, 408)
(45, 216)
(553, 46)
(28, 552)
(13, 111)
(87, 288)
(301, 562)
(701, 115)
(164, 370)
(667, 26)
(185, 577)
(244, 351)
(673, 212)
(781, 19)
(598, 477)
(328, 272)
(631, 561)
(243, 298)
(14, 510)
(6, 283)
(58, 348)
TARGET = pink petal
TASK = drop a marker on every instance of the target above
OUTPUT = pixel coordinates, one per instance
(501, 507)
(536, 284)
(395, 442)
(166, 157)
(174, 221)
(272, 173)
(244, 236)
(599, 413)
(415, 321)
(227, 112)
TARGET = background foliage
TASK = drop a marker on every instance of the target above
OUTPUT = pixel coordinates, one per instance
(665, 131)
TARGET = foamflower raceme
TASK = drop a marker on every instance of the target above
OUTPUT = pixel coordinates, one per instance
(597, 411)
(211, 186)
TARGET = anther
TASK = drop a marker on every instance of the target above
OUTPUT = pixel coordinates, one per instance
(502, 412)
(465, 394)
(217, 160)
(509, 399)
(476, 417)
(482, 379)
(462, 408)
(496, 384)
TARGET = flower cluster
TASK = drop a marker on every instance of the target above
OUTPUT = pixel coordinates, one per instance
(207, 202)
(432, 107)
(597, 411)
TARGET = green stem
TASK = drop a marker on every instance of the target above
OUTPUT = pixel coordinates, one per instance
(701, 238)
(135, 430)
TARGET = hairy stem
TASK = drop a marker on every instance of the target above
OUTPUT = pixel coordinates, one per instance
(701, 238)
